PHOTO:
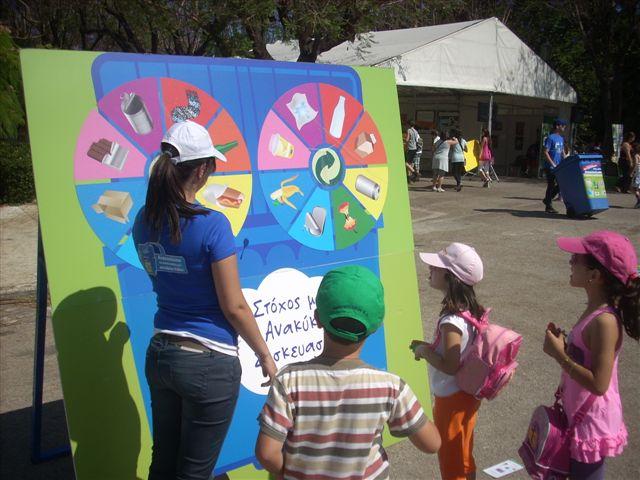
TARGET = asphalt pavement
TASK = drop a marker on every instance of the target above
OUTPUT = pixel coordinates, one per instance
(526, 284)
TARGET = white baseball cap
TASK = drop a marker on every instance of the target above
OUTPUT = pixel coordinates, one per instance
(192, 141)
(460, 259)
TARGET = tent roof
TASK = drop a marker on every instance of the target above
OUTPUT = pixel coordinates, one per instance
(480, 55)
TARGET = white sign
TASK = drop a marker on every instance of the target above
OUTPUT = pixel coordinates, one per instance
(502, 469)
(283, 306)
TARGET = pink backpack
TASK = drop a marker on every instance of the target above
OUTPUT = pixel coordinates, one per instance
(545, 451)
(489, 362)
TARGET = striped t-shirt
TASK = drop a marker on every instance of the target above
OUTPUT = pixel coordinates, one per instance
(330, 414)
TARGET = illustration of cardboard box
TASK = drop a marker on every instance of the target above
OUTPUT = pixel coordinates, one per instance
(364, 144)
(115, 205)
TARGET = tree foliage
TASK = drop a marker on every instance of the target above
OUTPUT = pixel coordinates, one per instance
(593, 44)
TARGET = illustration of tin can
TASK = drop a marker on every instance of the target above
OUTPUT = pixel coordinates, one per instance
(135, 111)
(367, 187)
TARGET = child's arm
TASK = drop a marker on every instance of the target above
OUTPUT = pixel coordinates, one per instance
(603, 334)
(407, 419)
(449, 361)
(276, 420)
(427, 439)
(269, 454)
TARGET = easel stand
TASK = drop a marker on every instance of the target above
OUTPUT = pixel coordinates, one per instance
(37, 455)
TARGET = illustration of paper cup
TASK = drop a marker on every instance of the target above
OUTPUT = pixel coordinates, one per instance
(280, 147)
(135, 111)
(367, 187)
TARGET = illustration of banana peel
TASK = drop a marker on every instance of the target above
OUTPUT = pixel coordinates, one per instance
(282, 195)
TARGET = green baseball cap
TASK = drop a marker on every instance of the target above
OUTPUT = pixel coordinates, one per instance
(352, 292)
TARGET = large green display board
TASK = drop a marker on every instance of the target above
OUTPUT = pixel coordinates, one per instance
(316, 173)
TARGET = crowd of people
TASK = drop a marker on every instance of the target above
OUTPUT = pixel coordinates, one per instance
(449, 148)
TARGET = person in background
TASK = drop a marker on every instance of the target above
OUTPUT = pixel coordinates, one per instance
(324, 418)
(531, 162)
(625, 162)
(192, 363)
(457, 158)
(635, 173)
(411, 148)
(440, 161)
(554, 153)
(416, 158)
(486, 158)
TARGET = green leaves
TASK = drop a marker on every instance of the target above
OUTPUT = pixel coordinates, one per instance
(11, 110)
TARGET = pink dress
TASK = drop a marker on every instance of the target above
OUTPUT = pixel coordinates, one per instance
(602, 432)
(485, 153)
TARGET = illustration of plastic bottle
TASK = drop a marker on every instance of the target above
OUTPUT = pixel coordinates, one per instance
(337, 120)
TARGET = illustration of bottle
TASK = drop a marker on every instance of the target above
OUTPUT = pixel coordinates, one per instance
(337, 120)
(280, 147)
(135, 111)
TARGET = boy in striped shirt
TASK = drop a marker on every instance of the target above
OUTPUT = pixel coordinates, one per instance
(329, 413)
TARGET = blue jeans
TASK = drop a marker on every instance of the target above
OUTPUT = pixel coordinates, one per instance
(193, 395)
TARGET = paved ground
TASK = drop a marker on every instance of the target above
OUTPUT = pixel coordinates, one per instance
(526, 282)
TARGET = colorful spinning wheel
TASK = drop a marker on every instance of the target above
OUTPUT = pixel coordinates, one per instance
(119, 141)
(323, 166)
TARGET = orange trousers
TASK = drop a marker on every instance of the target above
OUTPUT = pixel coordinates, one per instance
(455, 417)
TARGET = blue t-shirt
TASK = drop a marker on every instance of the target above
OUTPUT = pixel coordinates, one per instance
(554, 144)
(181, 274)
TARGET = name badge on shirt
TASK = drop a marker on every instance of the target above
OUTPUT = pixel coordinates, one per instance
(154, 259)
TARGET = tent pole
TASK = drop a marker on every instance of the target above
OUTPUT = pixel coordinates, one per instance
(490, 114)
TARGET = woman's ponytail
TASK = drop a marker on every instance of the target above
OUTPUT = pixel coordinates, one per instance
(165, 202)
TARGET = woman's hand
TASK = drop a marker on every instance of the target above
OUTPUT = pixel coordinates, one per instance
(554, 342)
(269, 369)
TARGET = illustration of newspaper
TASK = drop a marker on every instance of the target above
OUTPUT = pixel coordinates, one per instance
(109, 153)
(114, 205)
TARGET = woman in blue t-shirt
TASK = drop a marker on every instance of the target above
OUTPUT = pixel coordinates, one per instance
(192, 364)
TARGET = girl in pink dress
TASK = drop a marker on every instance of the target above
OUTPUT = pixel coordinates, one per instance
(486, 158)
(605, 265)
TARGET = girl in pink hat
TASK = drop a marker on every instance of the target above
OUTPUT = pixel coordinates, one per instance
(604, 264)
(454, 271)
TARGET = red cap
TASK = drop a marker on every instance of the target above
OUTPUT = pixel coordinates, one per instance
(612, 250)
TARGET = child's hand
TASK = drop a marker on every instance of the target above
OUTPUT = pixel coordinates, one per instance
(554, 342)
(418, 348)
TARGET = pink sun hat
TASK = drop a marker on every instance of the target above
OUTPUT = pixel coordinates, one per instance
(612, 250)
(460, 259)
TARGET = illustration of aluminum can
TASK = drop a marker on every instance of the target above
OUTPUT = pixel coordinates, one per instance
(367, 187)
(135, 111)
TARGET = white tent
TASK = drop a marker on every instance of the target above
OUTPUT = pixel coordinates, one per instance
(481, 55)
(446, 73)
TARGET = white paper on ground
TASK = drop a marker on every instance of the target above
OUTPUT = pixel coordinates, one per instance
(502, 469)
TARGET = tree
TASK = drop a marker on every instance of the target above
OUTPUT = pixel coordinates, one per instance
(11, 109)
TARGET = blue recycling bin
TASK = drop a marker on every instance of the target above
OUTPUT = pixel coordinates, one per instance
(582, 185)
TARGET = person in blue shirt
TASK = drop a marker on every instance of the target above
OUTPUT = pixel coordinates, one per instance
(554, 153)
(192, 365)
